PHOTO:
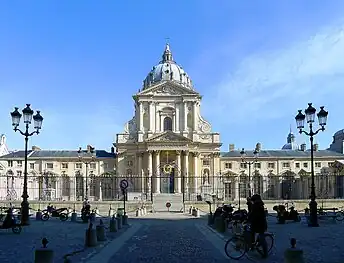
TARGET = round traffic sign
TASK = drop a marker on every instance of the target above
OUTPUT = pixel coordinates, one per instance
(124, 184)
(168, 204)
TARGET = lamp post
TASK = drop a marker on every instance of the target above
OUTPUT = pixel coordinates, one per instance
(243, 160)
(300, 118)
(87, 158)
(38, 120)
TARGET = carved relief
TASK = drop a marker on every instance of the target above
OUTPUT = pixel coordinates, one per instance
(178, 152)
(186, 152)
(166, 90)
(195, 154)
(203, 125)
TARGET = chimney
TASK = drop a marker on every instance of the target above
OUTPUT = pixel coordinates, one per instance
(36, 148)
(258, 146)
(315, 147)
(303, 147)
(231, 147)
(112, 150)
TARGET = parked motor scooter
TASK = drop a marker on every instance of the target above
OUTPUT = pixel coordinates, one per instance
(10, 222)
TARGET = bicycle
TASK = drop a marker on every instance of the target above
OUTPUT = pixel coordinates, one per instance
(241, 244)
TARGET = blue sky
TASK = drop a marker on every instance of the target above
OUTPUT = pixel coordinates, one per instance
(255, 62)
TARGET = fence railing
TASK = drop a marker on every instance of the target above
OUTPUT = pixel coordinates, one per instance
(193, 188)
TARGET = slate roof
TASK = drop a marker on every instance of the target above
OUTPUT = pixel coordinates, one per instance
(57, 154)
(284, 154)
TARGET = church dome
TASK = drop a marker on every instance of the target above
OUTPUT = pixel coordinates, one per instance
(291, 144)
(167, 70)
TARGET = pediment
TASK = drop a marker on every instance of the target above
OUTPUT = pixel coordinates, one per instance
(168, 136)
(167, 89)
(303, 172)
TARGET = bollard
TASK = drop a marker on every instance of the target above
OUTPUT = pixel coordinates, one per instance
(197, 213)
(119, 222)
(44, 255)
(124, 220)
(96, 211)
(190, 210)
(138, 212)
(293, 254)
(74, 217)
(145, 210)
(38, 215)
(113, 224)
(91, 236)
(111, 212)
(100, 229)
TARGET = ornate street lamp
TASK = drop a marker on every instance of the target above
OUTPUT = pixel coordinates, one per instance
(38, 120)
(300, 123)
(243, 160)
(85, 158)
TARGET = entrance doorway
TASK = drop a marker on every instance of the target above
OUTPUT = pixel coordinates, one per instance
(167, 182)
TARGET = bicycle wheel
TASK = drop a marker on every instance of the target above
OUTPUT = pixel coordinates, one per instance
(269, 241)
(234, 245)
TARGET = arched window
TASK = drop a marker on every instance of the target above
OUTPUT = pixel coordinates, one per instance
(167, 124)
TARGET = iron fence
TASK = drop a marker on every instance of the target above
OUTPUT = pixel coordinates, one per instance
(192, 188)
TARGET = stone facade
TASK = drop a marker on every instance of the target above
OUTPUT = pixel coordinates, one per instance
(58, 175)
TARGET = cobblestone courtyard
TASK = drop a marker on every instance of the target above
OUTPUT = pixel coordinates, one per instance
(168, 238)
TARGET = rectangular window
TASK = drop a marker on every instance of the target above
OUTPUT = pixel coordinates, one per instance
(78, 166)
(19, 173)
(50, 165)
(94, 165)
(32, 166)
(286, 165)
(19, 163)
(318, 165)
(64, 165)
(297, 165)
(305, 165)
(206, 162)
(243, 165)
(257, 165)
(10, 163)
(228, 165)
(271, 165)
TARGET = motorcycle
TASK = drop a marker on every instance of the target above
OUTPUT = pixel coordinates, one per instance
(51, 211)
(283, 214)
(10, 222)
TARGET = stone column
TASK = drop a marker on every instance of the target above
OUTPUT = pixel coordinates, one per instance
(157, 119)
(161, 123)
(157, 172)
(149, 171)
(196, 172)
(195, 115)
(179, 176)
(139, 172)
(186, 170)
(151, 117)
(185, 128)
(141, 116)
(173, 122)
(177, 117)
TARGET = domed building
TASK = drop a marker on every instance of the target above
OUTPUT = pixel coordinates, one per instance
(291, 144)
(167, 70)
(168, 142)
